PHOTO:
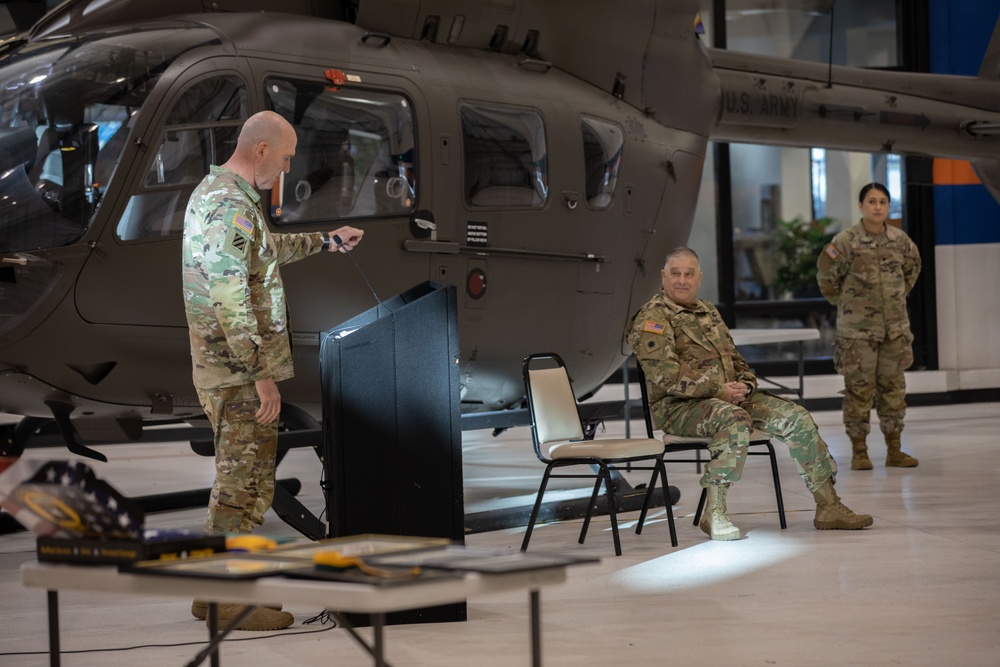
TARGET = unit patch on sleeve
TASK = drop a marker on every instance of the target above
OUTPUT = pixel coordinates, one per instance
(832, 251)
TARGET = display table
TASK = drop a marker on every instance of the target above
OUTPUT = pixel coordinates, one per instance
(336, 596)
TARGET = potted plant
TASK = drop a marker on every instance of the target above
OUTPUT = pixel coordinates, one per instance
(798, 243)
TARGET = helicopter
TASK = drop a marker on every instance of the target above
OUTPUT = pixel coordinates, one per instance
(488, 149)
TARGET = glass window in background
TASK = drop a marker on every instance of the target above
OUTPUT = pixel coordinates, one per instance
(894, 181)
(788, 202)
(864, 31)
(818, 174)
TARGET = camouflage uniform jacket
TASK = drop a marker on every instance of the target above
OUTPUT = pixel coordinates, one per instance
(868, 277)
(686, 353)
(235, 301)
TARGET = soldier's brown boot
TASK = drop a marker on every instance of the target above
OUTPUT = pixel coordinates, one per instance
(832, 514)
(895, 457)
(199, 609)
(714, 520)
(262, 618)
(859, 456)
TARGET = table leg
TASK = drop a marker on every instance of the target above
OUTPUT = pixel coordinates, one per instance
(215, 637)
(536, 626)
(213, 630)
(377, 648)
(378, 625)
(802, 372)
(53, 606)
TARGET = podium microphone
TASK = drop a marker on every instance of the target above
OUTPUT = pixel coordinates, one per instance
(340, 244)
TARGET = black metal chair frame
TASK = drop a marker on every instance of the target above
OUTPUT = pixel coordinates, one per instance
(603, 466)
(697, 447)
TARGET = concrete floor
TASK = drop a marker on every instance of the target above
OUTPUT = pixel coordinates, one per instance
(921, 587)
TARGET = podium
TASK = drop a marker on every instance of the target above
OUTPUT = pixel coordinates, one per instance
(392, 435)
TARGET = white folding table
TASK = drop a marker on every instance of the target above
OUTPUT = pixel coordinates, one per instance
(376, 601)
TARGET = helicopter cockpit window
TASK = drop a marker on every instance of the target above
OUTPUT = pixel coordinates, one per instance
(65, 114)
(505, 157)
(602, 154)
(200, 130)
(355, 155)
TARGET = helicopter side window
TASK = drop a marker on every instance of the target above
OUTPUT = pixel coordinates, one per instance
(506, 164)
(355, 155)
(200, 130)
(602, 154)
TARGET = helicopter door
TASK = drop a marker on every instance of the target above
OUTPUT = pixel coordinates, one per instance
(198, 128)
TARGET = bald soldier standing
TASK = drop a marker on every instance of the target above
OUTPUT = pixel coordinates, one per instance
(700, 386)
(238, 325)
(867, 271)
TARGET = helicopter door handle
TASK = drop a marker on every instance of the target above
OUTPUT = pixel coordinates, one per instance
(534, 65)
(380, 35)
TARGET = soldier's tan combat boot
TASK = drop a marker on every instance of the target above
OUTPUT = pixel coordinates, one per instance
(894, 457)
(262, 618)
(859, 456)
(714, 520)
(199, 609)
(832, 514)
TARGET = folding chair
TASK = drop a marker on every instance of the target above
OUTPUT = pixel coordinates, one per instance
(677, 443)
(558, 438)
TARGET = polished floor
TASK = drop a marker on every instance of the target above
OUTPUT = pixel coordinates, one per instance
(920, 587)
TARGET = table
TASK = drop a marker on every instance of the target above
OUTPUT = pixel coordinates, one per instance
(342, 596)
(768, 336)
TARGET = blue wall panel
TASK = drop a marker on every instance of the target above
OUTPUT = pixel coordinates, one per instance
(960, 31)
(965, 214)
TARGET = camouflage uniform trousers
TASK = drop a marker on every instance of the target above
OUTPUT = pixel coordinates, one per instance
(244, 459)
(729, 426)
(873, 369)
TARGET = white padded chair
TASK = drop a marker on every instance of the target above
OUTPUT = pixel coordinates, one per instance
(559, 442)
(673, 444)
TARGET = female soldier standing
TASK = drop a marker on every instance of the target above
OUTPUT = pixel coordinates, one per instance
(867, 271)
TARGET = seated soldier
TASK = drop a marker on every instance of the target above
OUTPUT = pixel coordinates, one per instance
(700, 386)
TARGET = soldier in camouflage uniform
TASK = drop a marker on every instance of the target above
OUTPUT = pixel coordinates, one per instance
(700, 386)
(238, 326)
(867, 271)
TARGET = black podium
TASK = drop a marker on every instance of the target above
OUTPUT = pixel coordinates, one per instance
(392, 424)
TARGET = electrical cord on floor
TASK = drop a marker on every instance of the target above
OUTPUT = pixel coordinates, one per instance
(324, 617)
(321, 616)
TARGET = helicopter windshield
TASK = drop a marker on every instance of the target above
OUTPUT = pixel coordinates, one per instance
(66, 109)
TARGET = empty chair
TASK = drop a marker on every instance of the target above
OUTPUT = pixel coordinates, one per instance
(559, 442)
(674, 444)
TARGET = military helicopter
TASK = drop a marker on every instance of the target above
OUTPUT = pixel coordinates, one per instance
(488, 149)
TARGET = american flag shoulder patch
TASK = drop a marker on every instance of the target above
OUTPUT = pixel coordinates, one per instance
(653, 327)
(241, 223)
(832, 251)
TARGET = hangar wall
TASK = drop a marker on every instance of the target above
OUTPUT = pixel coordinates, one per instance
(967, 218)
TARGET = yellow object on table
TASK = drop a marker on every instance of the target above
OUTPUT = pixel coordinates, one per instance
(249, 543)
(338, 561)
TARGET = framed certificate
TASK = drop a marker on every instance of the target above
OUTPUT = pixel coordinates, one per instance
(456, 557)
(222, 566)
(362, 546)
